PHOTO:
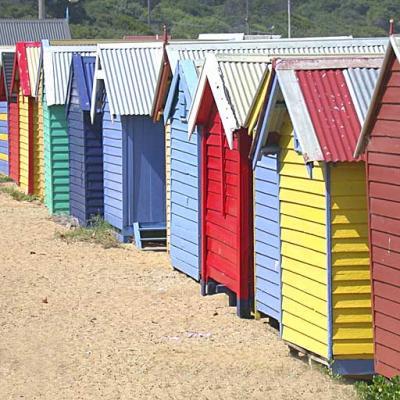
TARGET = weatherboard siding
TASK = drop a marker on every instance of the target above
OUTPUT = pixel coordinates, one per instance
(113, 170)
(185, 223)
(24, 142)
(267, 237)
(168, 180)
(56, 159)
(351, 278)
(85, 161)
(383, 161)
(38, 150)
(4, 144)
(303, 249)
(13, 127)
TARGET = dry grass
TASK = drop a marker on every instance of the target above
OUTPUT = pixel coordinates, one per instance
(17, 195)
(5, 178)
(98, 231)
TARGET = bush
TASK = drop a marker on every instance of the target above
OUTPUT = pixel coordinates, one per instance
(380, 389)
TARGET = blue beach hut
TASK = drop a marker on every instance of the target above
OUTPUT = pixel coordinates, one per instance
(183, 173)
(133, 145)
(85, 143)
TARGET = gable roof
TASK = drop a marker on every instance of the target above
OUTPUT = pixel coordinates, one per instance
(187, 73)
(7, 63)
(129, 72)
(392, 51)
(310, 47)
(56, 63)
(24, 30)
(324, 98)
(83, 71)
(26, 67)
(234, 83)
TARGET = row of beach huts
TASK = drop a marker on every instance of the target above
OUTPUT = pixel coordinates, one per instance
(270, 169)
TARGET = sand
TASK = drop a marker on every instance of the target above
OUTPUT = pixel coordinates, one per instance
(81, 322)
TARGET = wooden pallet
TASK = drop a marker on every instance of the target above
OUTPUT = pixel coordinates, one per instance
(307, 355)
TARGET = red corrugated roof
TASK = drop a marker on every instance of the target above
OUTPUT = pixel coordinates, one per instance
(332, 112)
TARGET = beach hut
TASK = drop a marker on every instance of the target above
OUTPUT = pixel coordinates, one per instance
(6, 62)
(221, 104)
(56, 71)
(177, 150)
(23, 85)
(314, 264)
(85, 144)
(380, 139)
(133, 146)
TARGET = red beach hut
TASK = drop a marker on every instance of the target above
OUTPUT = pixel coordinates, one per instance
(380, 138)
(223, 99)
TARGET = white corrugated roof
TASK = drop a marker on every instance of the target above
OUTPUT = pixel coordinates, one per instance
(234, 82)
(129, 71)
(57, 67)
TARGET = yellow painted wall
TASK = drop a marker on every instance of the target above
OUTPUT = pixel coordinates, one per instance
(351, 289)
(24, 140)
(168, 178)
(304, 258)
(38, 150)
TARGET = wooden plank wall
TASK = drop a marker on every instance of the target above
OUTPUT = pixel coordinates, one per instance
(384, 207)
(13, 140)
(351, 278)
(304, 245)
(56, 159)
(113, 170)
(185, 213)
(38, 150)
(168, 180)
(4, 144)
(24, 141)
(267, 237)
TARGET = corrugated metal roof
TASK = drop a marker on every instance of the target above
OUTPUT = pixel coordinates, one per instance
(361, 83)
(234, 82)
(323, 104)
(278, 47)
(332, 112)
(25, 30)
(26, 67)
(197, 50)
(57, 67)
(393, 50)
(130, 75)
(242, 79)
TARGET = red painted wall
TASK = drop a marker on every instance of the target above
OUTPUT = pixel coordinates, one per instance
(383, 166)
(227, 240)
(13, 121)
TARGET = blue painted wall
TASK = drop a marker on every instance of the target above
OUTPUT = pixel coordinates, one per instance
(85, 160)
(185, 213)
(145, 169)
(4, 167)
(267, 237)
(112, 166)
(134, 171)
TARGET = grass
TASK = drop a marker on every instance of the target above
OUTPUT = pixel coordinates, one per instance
(17, 195)
(5, 179)
(98, 231)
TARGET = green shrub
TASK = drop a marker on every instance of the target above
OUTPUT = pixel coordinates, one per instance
(98, 231)
(380, 389)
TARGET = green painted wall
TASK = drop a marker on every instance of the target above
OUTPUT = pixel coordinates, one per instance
(56, 159)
